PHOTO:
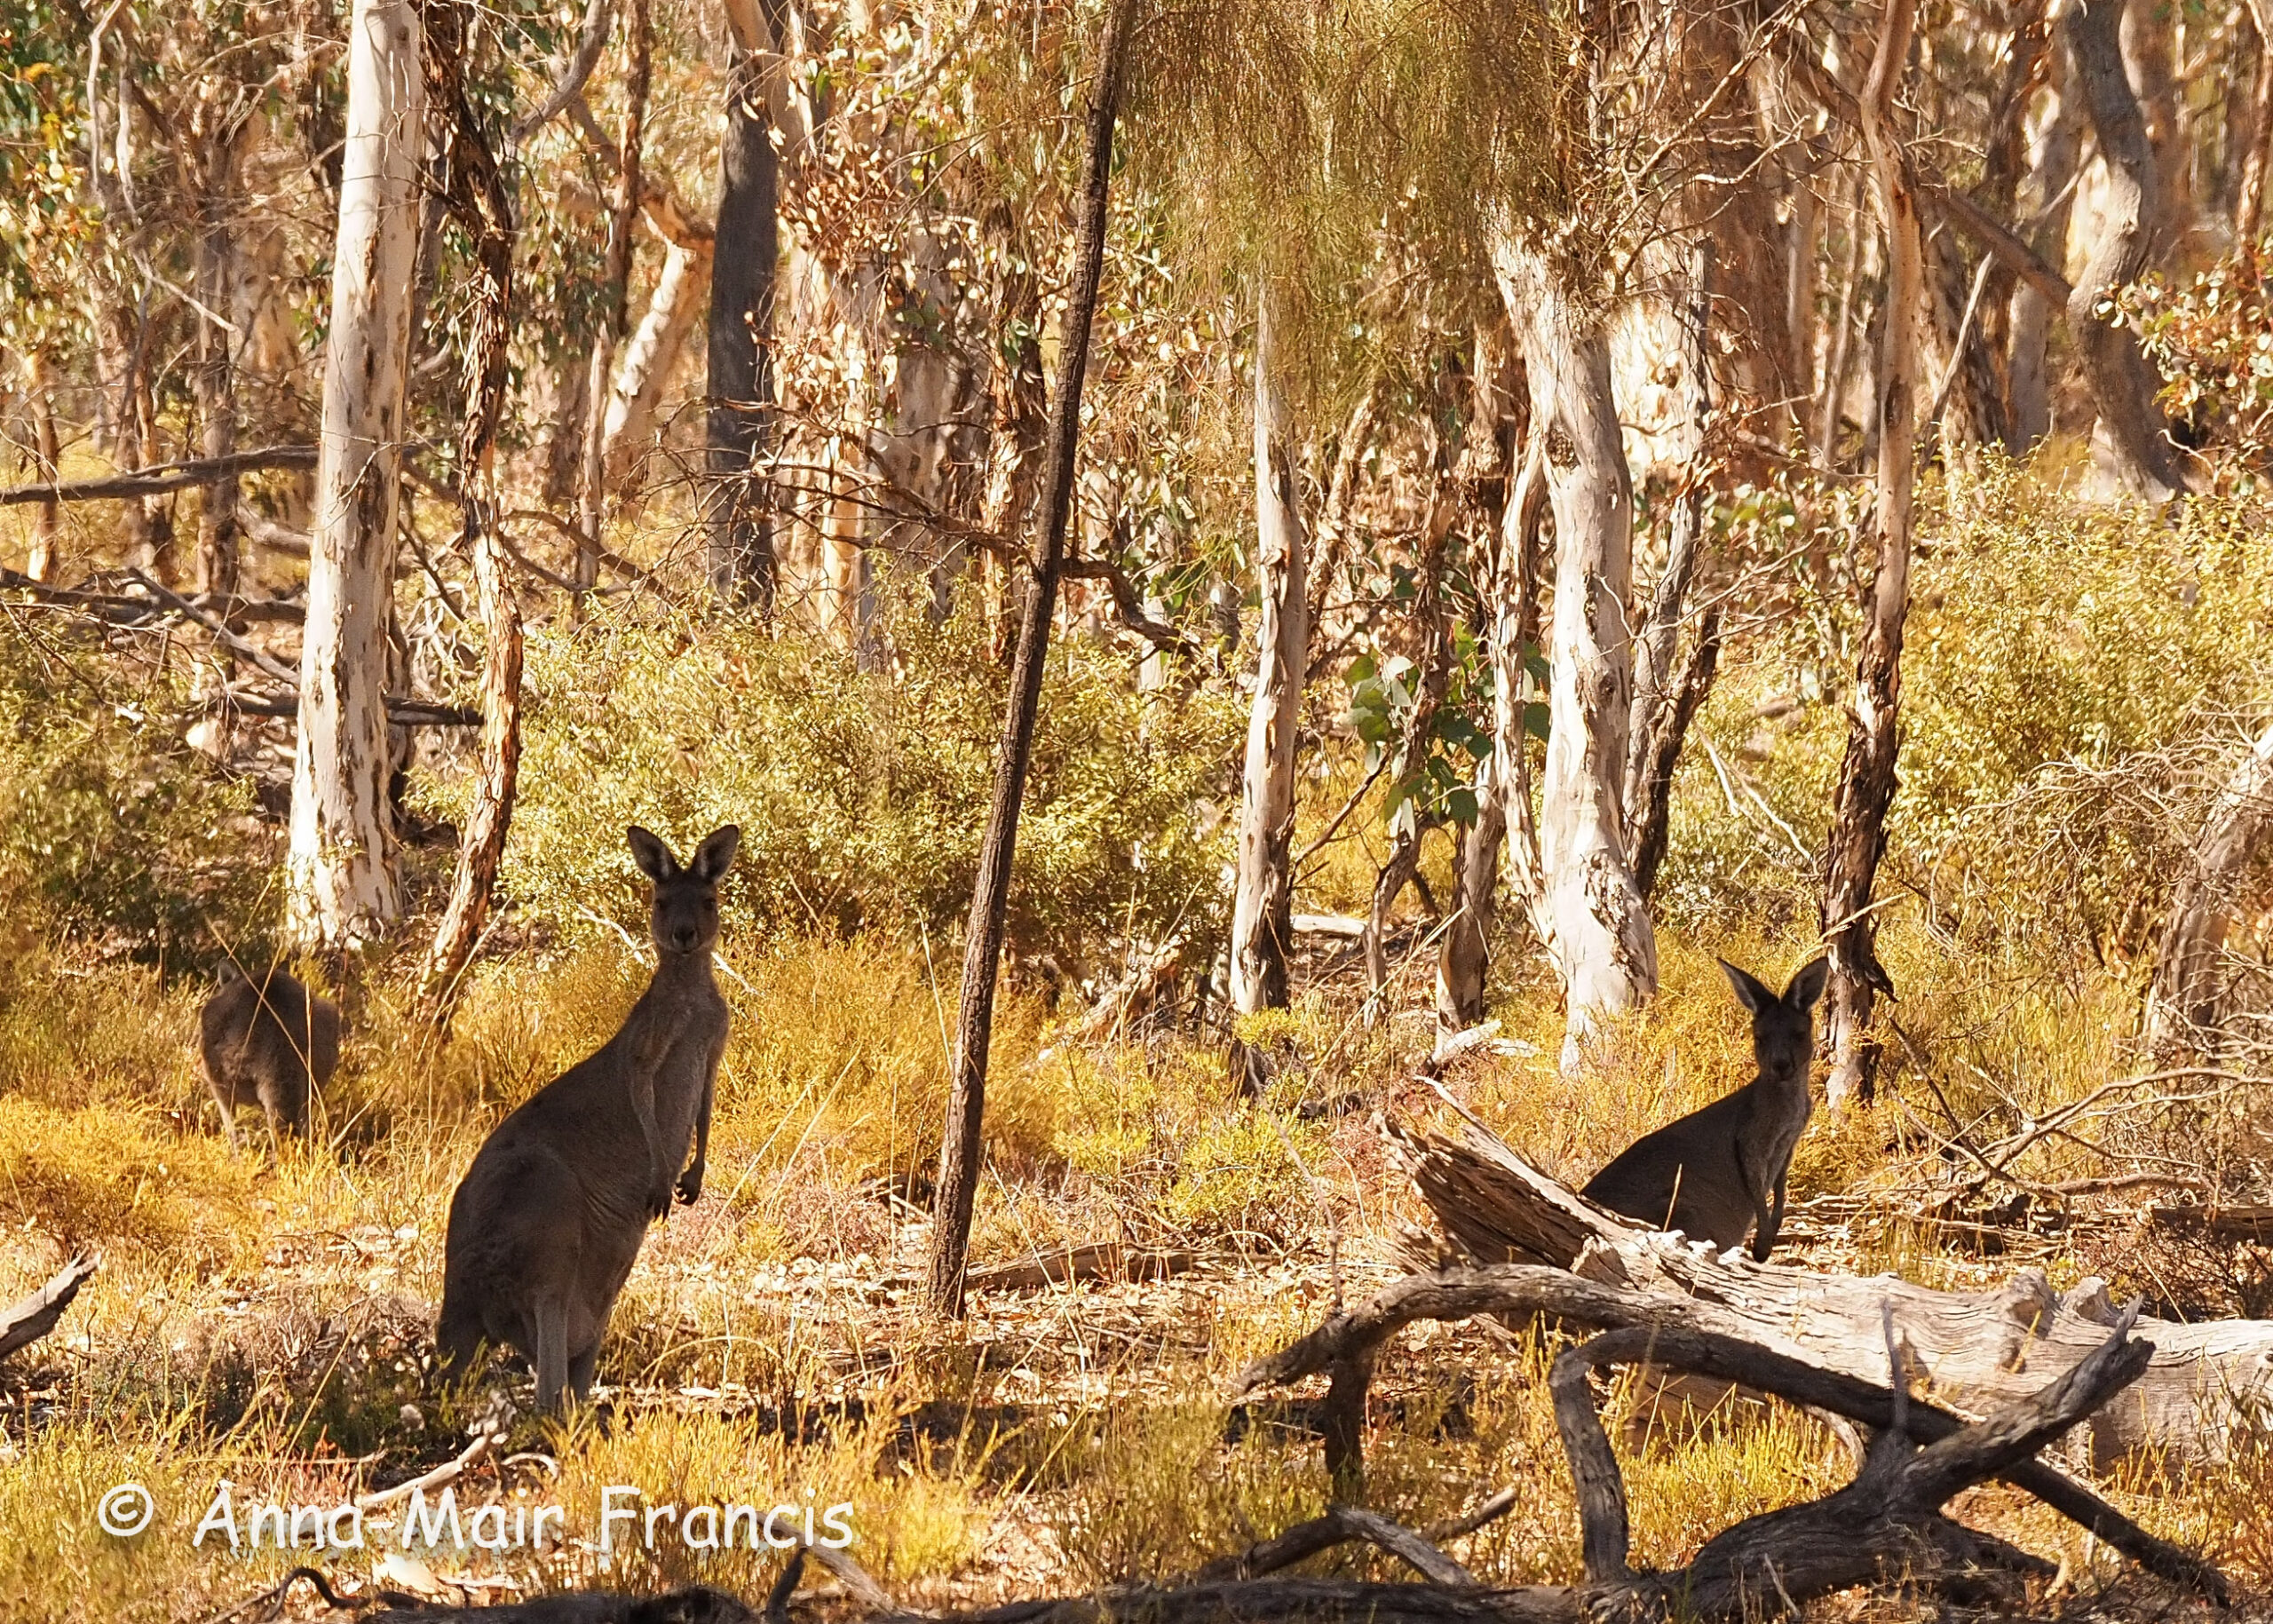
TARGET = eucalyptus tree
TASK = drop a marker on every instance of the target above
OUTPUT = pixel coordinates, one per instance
(1867, 773)
(961, 1146)
(341, 888)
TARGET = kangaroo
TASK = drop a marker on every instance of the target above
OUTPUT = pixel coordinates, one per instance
(545, 1224)
(266, 1046)
(1720, 1170)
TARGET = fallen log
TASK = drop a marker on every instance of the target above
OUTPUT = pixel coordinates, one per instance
(1978, 1349)
(35, 1316)
(1092, 1260)
(1885, 1527)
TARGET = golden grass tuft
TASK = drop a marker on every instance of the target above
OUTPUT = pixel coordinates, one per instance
(113, 1179)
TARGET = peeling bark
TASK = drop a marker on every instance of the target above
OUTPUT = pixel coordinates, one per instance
(1601, 936)
(2122, 383)
(2187, 1002)
(341, 877)
(479, 198)
(739, 333)
(1867, 773)
(1262, 906)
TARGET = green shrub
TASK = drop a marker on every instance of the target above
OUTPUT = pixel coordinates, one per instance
(110, 827)
(861, 795)
(2074, 682)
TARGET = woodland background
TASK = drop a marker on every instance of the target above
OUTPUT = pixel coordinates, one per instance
(1559, 494)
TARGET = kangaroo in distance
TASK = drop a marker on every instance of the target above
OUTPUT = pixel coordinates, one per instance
(547, 1222)
(266, 1046)
(1720, 1170)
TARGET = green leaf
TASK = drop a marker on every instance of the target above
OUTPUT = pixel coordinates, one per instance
(1535, 720)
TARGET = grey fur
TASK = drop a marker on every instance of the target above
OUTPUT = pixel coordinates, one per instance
(547, 1222)
(266, 1046)
(1719, 1171)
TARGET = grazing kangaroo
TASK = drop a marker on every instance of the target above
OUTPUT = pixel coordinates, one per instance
(547, 1220)
(1719, 1171)
(266, 1046)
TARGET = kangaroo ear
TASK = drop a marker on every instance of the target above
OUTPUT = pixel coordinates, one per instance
(1749, 991)
(715, 854)
(1807, 985)
(652, 856)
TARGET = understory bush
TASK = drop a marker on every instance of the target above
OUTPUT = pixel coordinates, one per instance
(112, 829)
(2077, 684)
(862, 794)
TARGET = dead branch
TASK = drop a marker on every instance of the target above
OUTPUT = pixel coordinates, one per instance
(1128, 606)
(35, 1316)
(1339, 1525)
(160, 478)
(1886, 1525)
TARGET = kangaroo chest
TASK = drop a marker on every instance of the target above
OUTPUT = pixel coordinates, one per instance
(683, 1070)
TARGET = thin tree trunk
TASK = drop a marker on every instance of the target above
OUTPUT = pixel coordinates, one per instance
(615, 313)
(644, 371)
(483, 206)
(2249, 196)
(1665, 702)
(1832, 407)
(2028, 59)
(959, 1148)
(2122, 383)
(2150, 70)
(1867, 775)
(213, 150)
(740, 388)
(2187, 1002)
(1433, 678)
(2047, 199)
(1604, 946)
(341, 873)
(47, 523)
(1487, 476)
(1262, 903)
(1654, 686)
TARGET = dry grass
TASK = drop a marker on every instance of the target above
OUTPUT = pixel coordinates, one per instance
(265, 1322)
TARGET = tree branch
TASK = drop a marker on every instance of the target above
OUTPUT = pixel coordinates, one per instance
(160, 478)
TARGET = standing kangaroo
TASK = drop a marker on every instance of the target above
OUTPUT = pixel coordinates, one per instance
(266, 1046)
(1720, 1170)
(547, 1220)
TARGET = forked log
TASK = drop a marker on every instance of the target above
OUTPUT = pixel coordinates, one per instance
(1885, 1527)
(1977, 1350)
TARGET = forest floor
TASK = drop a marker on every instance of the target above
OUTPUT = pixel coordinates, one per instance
(267, 1322)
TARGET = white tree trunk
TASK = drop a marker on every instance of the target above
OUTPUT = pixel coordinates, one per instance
(1262, 906)
(2188, 1001)
(649, 359)
(2047, 199)
(341, 869)
(1601, 940)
